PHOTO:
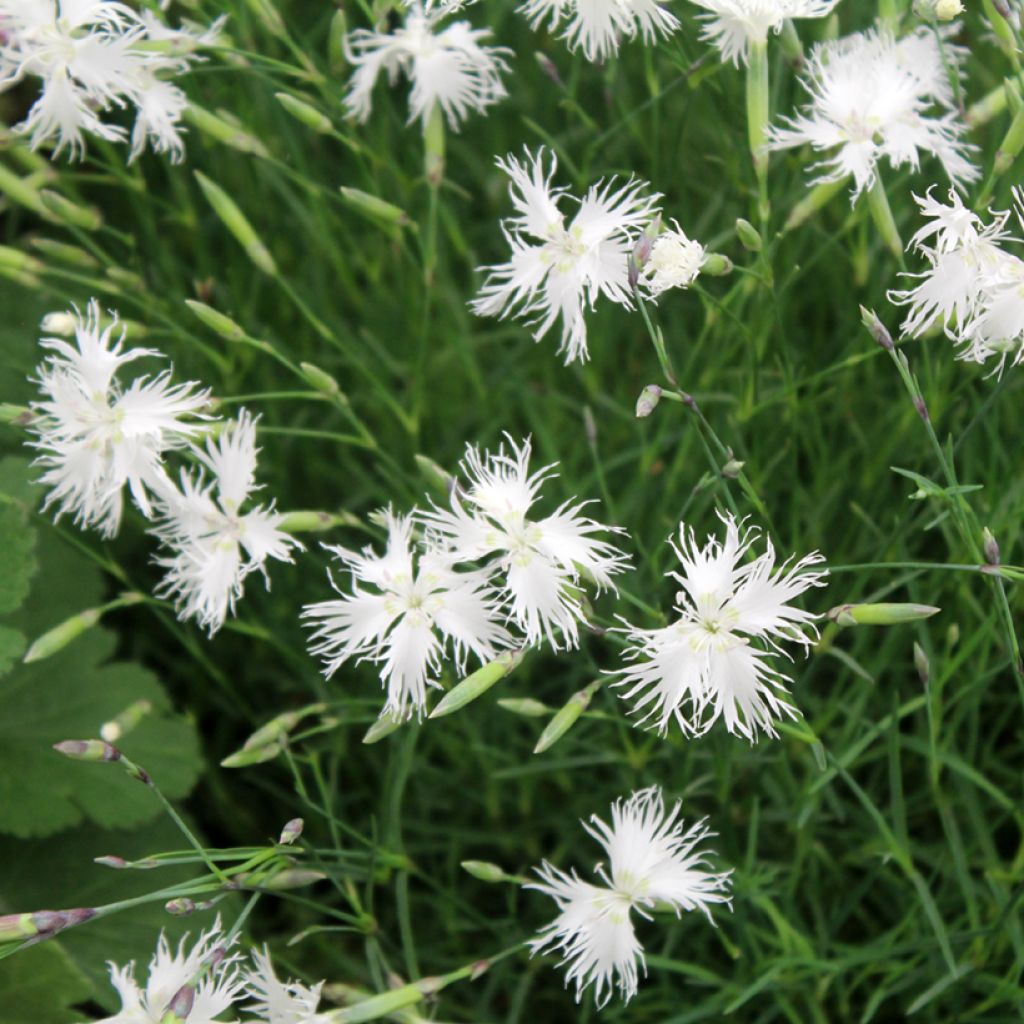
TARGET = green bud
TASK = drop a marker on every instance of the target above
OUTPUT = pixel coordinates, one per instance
(289, 878)
(953, 635)
(16, 260)
(921, 664)
(303, 521)
(477, 683)
(438, 479)
(528, 707)
(88, 218)
(180, 907)
(126, 279)
(72, 255)
(59, 637)
(320, 380)
(566, 717)
(384, 726)
(127, 720)
(880, 614)
(648, 401)
(253, 755)
(748, 235)
(22, 192)
(217, 322)
(305, 113)
(269, 16)
(732, 469)
(88, 750)
(377, 210)
(878, 330)
(484, 870)
(235, 221)
(16, 415)
(716, 264)
(224, 130)
(336, 33)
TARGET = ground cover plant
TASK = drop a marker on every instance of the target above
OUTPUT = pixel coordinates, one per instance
(510, 511)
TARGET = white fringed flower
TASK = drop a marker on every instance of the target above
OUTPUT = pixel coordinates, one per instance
(542, 562)
(559, 268)
(733, 26)
(279, 1002)
(597, 26)
(448, 67)
(873, 97)
(651, 860)
(95, 436)
(94, 57)
(973, 287)
(717, 659)
(214, 545)
(170, 971)
(674, 261)
(406, 611)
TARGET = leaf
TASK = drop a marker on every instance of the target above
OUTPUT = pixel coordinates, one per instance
(12, 646)
(17, 541)
(42, 984)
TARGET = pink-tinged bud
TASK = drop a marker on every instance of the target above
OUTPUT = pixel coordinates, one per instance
(481, 967)
(88, 750)
(877, 328)
(632, 272)
(180, 1006)
(648, 401)
(921, 664)
(111, 861)
(180, 907)
(922, 409)
(990, 546)
(547, 65)
(291, 832)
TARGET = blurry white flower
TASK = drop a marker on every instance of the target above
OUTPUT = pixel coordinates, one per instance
(169, 972)
(651, 861)
(414, 608)
(874, 97)
(716, 659)
(447, 66)
(973, 287)
(558, 268)
(596, 26)
(542, 562)
(214, 545)
(674, 262)
(278, 1002)
(733, 26)
(96, 436)
(93, 57)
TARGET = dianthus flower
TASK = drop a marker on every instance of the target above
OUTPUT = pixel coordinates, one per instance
(280, 1002)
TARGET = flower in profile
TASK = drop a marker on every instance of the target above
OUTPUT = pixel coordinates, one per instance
(448, 67)
(734, 26)
(542, 562)
(717, 659)
(93, 57)
(557, 267)
(973, 286)
(597, 28)
(651, 860)
(674, 261)
(875, 97)
(280, 1002)
(95, 436)
(405, 611)
(171, 971)
(213, 544)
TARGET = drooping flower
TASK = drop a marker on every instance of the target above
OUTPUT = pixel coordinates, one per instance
(674, 261)
(733, 26)
(95, 436)
(875, 97)
(94, 57)
(213, 544)
(651, 860)
(559, 268)
(717, 660)
(973, 286)
(449, 67)
(407, 610)
(597, 26)
(542, 562)
(170, 971)
(280, 1002)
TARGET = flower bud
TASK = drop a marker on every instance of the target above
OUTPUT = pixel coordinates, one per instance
(732, 469)
(336, 33)
(180, 1006)
(180, 907)
(236, 222)
(483, 870)
(305, 113)
(648, 401)
(88, 750)
(228, 132)
(127, 720)
(88, 218)
(716, 264)
(220, 324)
(320, 380)
(528, 707)
(990, 546)
(291, 832)
(548, 66)
(878, 330)
(56, 639)
(73, 255)
(921, 664)
(385, 725)
(566, 717)
(477, 683)
(883, 614)
(253, 755)
(63, 324)
(748, 235)
(378, 210)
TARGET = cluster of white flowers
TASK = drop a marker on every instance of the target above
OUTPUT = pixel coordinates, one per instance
(92, 58)
(482, 567)
(874, 96)
(716, 660)
(652, 862)
(973, 287)
(97, 437)
(200, 983)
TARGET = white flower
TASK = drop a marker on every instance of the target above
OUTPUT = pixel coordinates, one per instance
(716, 659)
(558, 268)
(96, 436)
(447, 66)
(872, 98)
(651, 861)
(674, 262)
(278, 1002)
(169, 972)
(596, 26)
(733, 26)
(413, 610)
(93, 57)
(542, 562)
(214, 544)
(973, 287)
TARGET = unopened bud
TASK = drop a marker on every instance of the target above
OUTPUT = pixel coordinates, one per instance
(253, 755)
(320, 380)
(877, 328)
(437, 477)
(477, 683)
(180, 907)
(716, 264)
(528, 707)
(547, 65)
(56, 639)
(236, 222)
(336, 34)
(63, 324)
(648, 401)
(953, 635)
(216, 321)
(291, 832)
(882, 614)
(484, 870)
(748, 235)
(88, 750)
(225, 129)
(732, 469)
(88, 218)
(111, 861)
(566, 717)
(311, 521)
(632, 272)
(127, 720)
(990, 546)
(375, 209)
(289, 878)
(18, 262)
(305, 113)
(180, 1006)
(921, 664)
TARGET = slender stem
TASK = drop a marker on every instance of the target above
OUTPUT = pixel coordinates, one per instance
(758, 101)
